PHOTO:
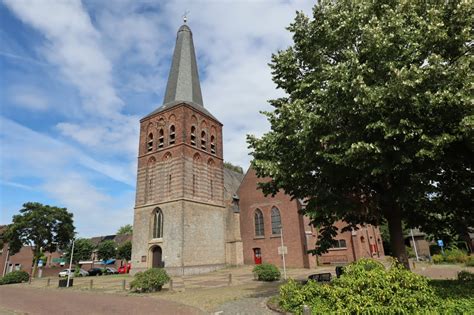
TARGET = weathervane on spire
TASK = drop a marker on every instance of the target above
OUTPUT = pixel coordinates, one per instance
(185, 16)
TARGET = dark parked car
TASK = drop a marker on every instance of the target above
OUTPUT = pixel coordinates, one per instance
(95, 272)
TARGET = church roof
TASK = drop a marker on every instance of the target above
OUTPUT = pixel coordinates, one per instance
(232, 182)
(183, 81)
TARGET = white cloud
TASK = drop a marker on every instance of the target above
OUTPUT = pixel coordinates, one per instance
(28, 97)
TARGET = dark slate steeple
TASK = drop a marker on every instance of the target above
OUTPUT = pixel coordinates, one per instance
(183, 81)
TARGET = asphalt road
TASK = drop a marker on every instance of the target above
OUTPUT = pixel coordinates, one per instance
(20, 299)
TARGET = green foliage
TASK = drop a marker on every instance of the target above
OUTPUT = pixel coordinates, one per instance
(378, 107)
(410, 252)
(455, 255)
(126, 229)
(454, 296)
(233, 167)
(107, 250)
(15, 277)
(465, 276)
(437, 259)
(83, 249)
(150, 280)
(470, 261)
(451, 255)
(266, 272)
(365, 287)
(125, 251)
(41, 226)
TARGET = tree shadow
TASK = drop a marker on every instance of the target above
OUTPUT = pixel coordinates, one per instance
(453, 289)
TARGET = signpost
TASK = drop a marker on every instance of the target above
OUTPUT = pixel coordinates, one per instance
(283, 250)
(441, 244)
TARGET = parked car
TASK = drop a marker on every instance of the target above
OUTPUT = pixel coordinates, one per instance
(125, 268)
(95, 272)
(110, 271)
(65, 272)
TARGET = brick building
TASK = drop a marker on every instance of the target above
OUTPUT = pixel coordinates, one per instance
(183, 218)
(260, 221)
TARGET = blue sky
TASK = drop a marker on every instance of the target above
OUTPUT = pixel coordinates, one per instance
(76, 77)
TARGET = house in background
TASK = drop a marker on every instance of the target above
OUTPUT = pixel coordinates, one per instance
(263, 219)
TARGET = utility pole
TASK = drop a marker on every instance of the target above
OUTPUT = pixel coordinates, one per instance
(283, 251)
(6, 261)
(70, 263)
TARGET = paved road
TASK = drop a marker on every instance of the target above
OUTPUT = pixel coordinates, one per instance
(43, 301)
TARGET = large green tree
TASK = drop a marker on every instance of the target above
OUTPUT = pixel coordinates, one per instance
(126, 229)
(124, 251)
(378, 95)
(107, 250)
(43, 227)
(83, 248)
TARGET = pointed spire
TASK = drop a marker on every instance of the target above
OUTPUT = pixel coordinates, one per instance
(183, 81)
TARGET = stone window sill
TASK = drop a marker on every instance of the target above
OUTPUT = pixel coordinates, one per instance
(259, 238)
(336, 249)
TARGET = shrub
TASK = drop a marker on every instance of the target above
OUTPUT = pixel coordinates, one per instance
(465, 276)
(437, 259)
(365, 287)
(150, 280)
(455, 255)
(15, 277)
(266, 272)
(470, 261)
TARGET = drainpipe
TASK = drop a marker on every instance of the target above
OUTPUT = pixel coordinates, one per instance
(353, 234)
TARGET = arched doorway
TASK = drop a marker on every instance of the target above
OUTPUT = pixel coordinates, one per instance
(157, 261)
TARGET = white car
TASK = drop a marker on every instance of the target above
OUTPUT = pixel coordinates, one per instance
(65, 272)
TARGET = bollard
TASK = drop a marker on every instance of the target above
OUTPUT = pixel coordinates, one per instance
(49, 282)
(230, 279)
(91, 284)
(171, 284)
(306, 310)
(123, 284)
(414, 265)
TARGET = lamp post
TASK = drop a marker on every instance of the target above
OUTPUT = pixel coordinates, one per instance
(414, 245)
(70, 263)
(283, 252)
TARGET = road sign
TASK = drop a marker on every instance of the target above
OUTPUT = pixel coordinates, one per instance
(440, 243)
(282, 250)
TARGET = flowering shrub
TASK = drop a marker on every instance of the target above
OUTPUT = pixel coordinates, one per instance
(266, 272)
(150, 280)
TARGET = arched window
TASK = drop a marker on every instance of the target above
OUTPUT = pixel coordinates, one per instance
(203, 140)
(193, 135)
(259, 229)
(276, 221)
(149, 143)
(158, 223)
(172, 134)
(213, 145)
(161, 139)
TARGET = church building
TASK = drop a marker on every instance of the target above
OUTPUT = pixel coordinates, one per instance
(185, 217)
(193, 215)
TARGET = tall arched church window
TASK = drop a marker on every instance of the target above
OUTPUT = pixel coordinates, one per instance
(193, 135)
(172, 135)
(276, 221)
(157, 223)
(149, 143)
(259, 228)
(203, 140)
(213, 144)
(161, 138)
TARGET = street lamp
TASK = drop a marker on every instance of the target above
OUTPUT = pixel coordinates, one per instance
(283, 251)
(70, 263)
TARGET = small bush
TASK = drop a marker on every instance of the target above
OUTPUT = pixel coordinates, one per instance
(15, 277)
(455, 255)
(150, 280)
(465, 276)
(437, 259)
(365, 287)
(267, 272)
(470, 261)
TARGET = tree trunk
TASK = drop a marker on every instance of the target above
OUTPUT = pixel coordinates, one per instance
(397, 243)
(464, 235)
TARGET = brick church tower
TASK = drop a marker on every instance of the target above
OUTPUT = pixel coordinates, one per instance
(180, 212)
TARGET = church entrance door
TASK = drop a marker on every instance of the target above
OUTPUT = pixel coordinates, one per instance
(157, 260)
